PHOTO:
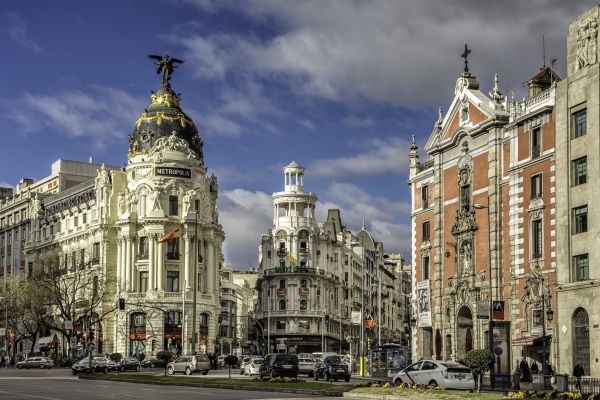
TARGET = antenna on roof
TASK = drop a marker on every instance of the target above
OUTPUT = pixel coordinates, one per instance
(543, 51)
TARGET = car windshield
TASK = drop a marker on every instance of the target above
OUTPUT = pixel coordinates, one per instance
(258, 362)
(454, 367)
(286, 358)
(334, 360)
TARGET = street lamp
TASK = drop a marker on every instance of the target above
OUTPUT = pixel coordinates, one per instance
(491, 305)
(362, 306)
(546, 314)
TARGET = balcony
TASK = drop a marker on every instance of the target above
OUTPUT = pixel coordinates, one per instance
(303, 250)
(294, 270)
(281, 252)
(282, 292)
(303, 291)
(172, 256)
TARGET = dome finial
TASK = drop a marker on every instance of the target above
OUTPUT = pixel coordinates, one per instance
(166, 65)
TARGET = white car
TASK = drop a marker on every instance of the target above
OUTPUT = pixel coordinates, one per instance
(446, 374)
(245, 361)
(252, 368)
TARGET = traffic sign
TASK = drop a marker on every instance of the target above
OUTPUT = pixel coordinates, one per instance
(91, 347)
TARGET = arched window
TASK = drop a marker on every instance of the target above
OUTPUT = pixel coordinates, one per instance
(203, 320)
(282, 284)
(303, 304)
(581, 339)
(282, 304)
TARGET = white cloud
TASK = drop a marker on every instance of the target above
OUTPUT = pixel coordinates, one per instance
(383, 217)
(377, 157)
(5, 184)
(307, 124)
(393, 52)
(18, 31)
(354, 121)
(245, 216)
(217, 124)
(100, 113)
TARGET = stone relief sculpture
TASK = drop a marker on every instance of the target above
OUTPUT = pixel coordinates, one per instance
(466, 258)
(187, 199)
(36, 205)
(121, 203)
(172, 143)
(102, 179)
(131, 202)
(587, 34)
(155, 198)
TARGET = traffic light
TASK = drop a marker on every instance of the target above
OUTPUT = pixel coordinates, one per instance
(153, 344)
(121, 304)
(327, 319)
(91, 336)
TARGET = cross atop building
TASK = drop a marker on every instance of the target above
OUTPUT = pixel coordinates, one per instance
(465, 55)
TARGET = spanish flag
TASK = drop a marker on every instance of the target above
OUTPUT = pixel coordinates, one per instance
(169, 237)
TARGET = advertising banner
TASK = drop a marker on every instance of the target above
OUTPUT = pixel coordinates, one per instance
(424, 303)
(501, 334)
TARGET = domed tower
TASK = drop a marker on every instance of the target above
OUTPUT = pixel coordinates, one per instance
(169, 234)
(294, 208)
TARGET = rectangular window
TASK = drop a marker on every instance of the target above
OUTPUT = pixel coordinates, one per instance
(84, 218)
(425, 267)
(580, 219)
(582, 271)
(425, 196)
(143, 281)
(173, 205)
(426, 231)
(173, 250)
(536, 142)
(82, 258)
(143, 248)
(579, 171)
(580, 123)
(172, 281)
(75, 221)
(536, 186)
(96, 252)
(280, 324)
(536, 239)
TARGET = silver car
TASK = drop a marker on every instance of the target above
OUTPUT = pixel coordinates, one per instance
(189, 365)
(36, 362)
(446, 374)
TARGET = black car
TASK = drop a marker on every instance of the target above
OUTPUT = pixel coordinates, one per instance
(129, 364)
(279, 365)
(333, 367)
(99, 364)
(152, 362)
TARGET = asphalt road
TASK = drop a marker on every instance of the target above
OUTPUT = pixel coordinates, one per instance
(59, 384)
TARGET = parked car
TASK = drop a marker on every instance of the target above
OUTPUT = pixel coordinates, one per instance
(307, 365)
(113, 365)
(279, 365)
(253, 367)
(189, 364)
(68, 362)
(36, 362)
(446, 374)
(152, 362)
(129, 364)
(245, 360)
(221, 361)
(99, 364)
(333, 367)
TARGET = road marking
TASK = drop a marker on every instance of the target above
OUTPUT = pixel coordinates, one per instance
(32, 396)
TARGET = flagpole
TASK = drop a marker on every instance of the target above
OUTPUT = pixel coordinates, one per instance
(195, 282)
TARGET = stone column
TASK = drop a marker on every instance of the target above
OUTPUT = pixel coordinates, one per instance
(186, 260)
(133, 267)
(210, 266)
(160, 266)
(151, 261)
(128, 264)
(118, 263)
(122, 264)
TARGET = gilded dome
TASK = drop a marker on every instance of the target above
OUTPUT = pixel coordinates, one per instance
(163, 118)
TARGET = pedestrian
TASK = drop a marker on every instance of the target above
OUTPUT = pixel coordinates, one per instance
(12, 362)
(578, 372)
(525, 372)
(534, 368)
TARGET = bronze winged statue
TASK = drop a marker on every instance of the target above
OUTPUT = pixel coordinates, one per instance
(166, 65)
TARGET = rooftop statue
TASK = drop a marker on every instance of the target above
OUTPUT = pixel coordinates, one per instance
(166, 65)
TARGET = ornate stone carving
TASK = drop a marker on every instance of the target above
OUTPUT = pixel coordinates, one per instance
(36, 206)
(155, 199)
(587, 34)
(172, 143)
(121, 203)
(102, 179)
(187, 199)
(467, 256)
(535, 289)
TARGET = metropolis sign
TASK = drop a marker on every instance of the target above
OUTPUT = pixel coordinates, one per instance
(177, 172)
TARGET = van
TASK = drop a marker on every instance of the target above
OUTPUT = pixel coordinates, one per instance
(189, 364)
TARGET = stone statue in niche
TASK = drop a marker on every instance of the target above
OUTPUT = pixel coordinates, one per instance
(587, 48)
(121, 203)
(102, 179)
(155, 198)
(466, 258)
(36, 205)
(132, 202)
(187, 200)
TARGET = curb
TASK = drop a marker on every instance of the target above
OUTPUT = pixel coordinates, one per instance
(323, 393)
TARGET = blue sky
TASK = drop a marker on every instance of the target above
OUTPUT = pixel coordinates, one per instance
(338, 86)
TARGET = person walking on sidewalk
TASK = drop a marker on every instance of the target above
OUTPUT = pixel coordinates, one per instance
(578, 372)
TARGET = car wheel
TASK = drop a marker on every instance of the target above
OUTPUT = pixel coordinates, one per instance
(205, 372)
(327, 376)
(74, 372)
(335, 379)
(188, 371)
(151, 365)
(20, 366)
(433, 383)
(347, 379)
(241, 372)
(42, 366)
(310, 374)
(137, 368)
(170, 371)
(122, 369)
(105, 370)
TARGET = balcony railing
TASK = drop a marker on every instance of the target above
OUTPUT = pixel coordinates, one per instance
(172, 256)
(294, 270)
(281, 252)
(303, 291)
(142, 256)
(302, 250)
(282, 292)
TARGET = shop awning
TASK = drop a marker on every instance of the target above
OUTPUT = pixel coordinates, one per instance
(528, 340)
